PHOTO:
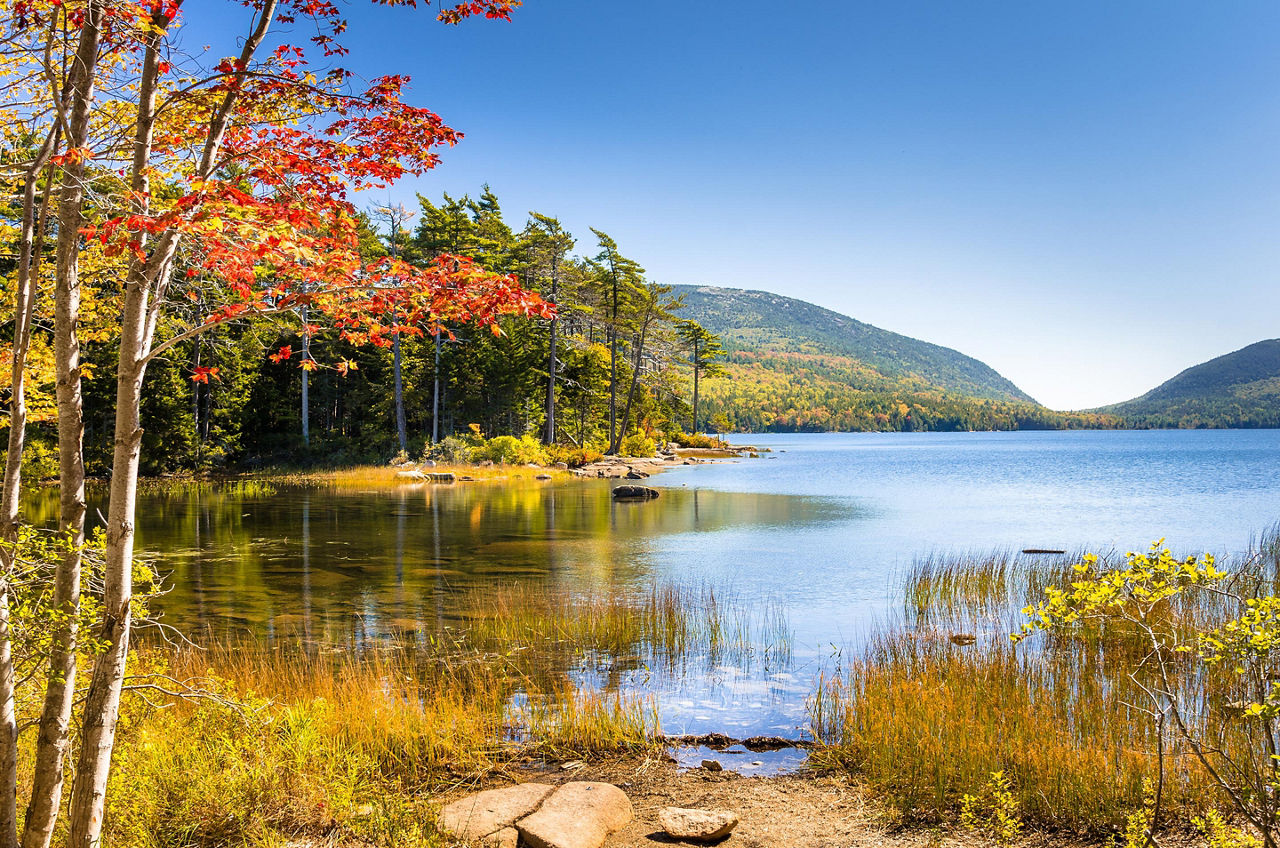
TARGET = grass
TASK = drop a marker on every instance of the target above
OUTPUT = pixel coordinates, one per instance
(288, 746)
(926, 718)
(669, 623)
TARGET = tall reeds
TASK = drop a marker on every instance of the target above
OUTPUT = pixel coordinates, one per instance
(927, 710)
(285, 742)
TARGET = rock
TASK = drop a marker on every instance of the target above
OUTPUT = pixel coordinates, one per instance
(643, 493)
(697, 825)
(633, 474)
(487, 813)
(563, 466)
(712, 765)
(430, 463)
(577, 815)
(508, 837)
(753, 455)
(442, 476)
(542, 477)
(963, 639)
(411, 474)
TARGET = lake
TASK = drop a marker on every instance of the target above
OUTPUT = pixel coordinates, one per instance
(820, 527)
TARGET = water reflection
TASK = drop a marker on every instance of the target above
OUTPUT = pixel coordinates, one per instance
(347, 567)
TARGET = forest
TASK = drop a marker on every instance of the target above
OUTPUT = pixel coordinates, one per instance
(233, 396)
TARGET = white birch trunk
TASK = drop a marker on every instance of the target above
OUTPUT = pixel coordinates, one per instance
(33, 220)
(144, 293)
(51, 744)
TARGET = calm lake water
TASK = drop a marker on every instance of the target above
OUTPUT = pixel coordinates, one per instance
(822, 526)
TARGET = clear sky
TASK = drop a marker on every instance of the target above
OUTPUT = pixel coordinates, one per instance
(1085, 195)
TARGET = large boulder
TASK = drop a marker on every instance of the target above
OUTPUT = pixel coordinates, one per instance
(697, 825)
(487, 814)
(577, 815)
(634, 493)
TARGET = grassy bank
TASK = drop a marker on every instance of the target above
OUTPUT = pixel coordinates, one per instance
(928, 710)
(274, 745)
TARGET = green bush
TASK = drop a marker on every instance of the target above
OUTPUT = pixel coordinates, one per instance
(450, 449)
(509, 450)
(699, 440)
(637, 444)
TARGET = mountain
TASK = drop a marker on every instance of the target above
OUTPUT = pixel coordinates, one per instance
(1239, 389)
(759, 321)
(791, 365)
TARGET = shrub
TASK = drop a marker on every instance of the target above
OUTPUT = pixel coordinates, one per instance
(573, 457)
(450, 449)
(509, 450)
(637, 444)
(699, 440)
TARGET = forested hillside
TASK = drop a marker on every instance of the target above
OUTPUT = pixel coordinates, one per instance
(233, 395)
(1239, 389)
(791, 365)
(764, 321)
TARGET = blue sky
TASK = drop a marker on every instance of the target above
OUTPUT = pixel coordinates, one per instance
(1084, 195)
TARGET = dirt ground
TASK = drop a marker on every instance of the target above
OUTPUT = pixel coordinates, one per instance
(788, 811)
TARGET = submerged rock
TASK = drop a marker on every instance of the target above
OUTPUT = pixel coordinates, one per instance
(643, 493)
(697, 825)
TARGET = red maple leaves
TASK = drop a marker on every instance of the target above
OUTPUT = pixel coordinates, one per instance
(270, 227)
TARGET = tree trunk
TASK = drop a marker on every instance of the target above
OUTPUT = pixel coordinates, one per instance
(147, 278)
(55, 716)
(435, 395)
(613, 367)
(31, 245)
(306, 383)
(102, 704)
(550, 436)
(695, 387)
(402, 430)
(635, 376)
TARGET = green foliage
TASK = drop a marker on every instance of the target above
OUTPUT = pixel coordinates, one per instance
(993, 811)
(1240, 389)
(509, 450)
(39, 458)
(762, 321)
(637, 444)
(450, 449)
(1140, 824)
(1237, 746)
(1132, 593)
(1218, 834)
(699, 440)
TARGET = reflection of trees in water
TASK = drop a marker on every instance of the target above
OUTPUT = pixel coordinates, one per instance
(343, 568)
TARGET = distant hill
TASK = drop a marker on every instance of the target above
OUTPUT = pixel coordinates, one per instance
(759, 321)
(1240, 389)
(796, 366)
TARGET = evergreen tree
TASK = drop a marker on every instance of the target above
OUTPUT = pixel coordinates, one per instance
(704, 350)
